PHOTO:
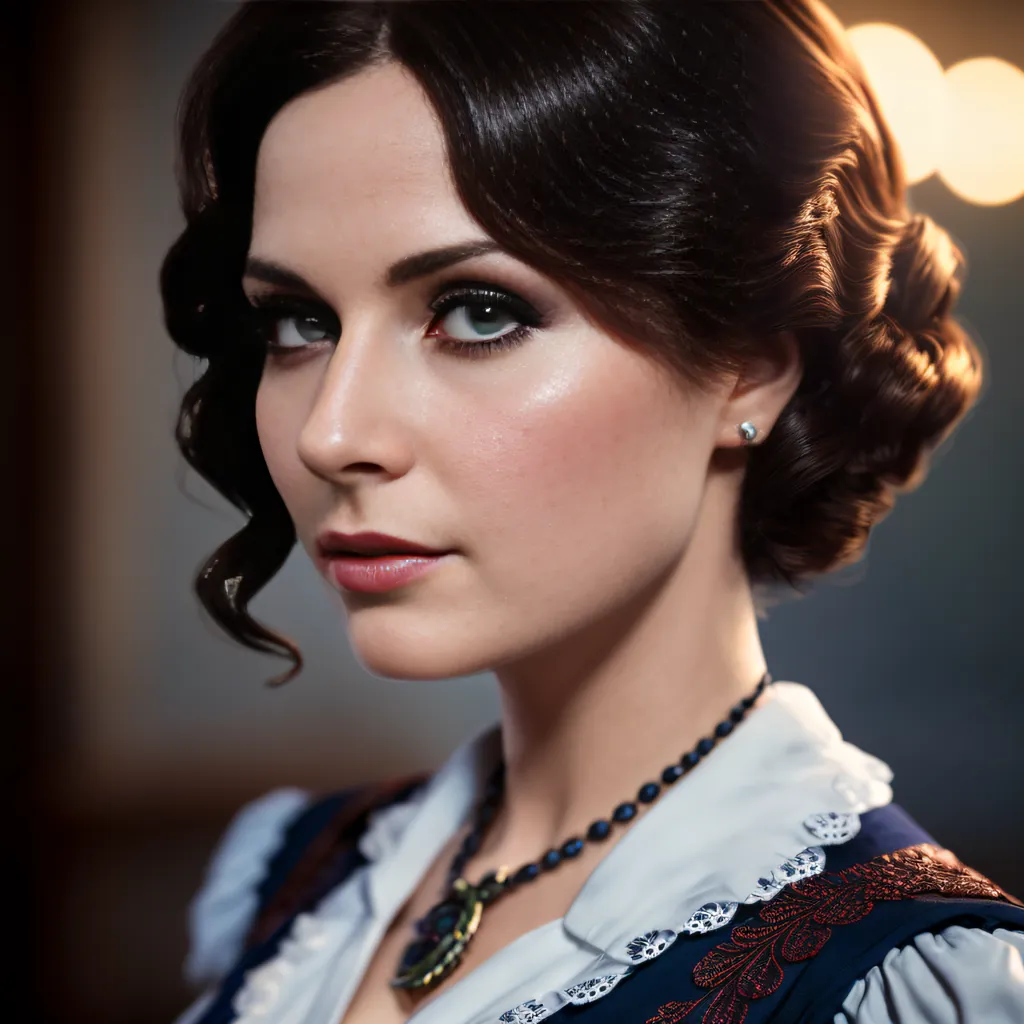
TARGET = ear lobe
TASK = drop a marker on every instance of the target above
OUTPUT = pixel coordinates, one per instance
(767, 381)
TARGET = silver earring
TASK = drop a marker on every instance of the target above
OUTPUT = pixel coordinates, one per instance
(747, 431)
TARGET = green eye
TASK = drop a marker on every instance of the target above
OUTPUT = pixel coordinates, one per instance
(475, 321)
(287, 325)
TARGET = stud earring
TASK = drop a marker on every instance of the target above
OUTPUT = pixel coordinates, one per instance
(747, 431)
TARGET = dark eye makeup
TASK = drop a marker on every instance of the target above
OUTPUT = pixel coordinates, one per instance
(309, 322)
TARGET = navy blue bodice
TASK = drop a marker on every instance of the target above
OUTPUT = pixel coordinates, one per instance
(791, 960)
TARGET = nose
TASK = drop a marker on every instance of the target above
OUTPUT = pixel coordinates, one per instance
(357, 424)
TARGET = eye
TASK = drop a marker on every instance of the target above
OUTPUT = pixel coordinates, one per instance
(294, 332)
(479, 320)
(472, 320)
(286, 325)
(475, 320)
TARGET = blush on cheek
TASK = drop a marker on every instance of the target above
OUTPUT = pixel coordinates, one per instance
(577, 491)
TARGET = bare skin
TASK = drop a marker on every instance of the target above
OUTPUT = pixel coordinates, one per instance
(591, 499)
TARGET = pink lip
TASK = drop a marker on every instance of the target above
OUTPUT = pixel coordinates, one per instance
(332, 543)
(379, 574)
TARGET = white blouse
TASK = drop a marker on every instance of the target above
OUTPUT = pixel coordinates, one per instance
(756, 815)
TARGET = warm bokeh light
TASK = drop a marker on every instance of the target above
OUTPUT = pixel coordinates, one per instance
(983, 161)
(910, 85)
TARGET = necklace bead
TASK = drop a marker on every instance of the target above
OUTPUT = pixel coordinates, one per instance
(527, 873)
(571, 847)
(599, 829)
(624, 812)
(648, 792)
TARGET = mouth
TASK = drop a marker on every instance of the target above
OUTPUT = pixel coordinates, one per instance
(374, 563)
(382, 571)
(372, 545)
(383, 557)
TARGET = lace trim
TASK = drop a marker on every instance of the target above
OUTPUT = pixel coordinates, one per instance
(307, 942)
(311, 940)
(752, 963)
(830, 829)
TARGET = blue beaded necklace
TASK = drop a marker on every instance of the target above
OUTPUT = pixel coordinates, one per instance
(445, 931)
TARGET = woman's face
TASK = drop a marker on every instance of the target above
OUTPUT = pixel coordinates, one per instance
(564, 471)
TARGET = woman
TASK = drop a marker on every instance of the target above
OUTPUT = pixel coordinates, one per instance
(558, 334)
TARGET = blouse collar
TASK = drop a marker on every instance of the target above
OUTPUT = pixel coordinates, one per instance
(711, 837)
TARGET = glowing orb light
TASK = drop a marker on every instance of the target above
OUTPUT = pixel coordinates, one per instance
(909, 83)
(983, 160)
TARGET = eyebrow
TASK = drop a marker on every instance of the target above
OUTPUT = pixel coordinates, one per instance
(407, 269)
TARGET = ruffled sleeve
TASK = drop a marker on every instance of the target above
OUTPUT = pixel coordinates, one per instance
(222, 912)
(956, 975)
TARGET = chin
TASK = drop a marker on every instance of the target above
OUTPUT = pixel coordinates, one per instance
(388, 650)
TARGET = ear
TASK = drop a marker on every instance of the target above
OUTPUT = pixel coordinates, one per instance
(766, 382)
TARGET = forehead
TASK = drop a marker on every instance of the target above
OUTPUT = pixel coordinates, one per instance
(361, 160)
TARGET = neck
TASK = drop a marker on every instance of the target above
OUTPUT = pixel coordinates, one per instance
(585, 723)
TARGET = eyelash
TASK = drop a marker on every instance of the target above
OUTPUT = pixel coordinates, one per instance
(267, 312)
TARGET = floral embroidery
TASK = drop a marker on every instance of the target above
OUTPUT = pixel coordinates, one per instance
(649, 945)
(833, 828)
(709, 918)
(805, 864)
(592, 989)
(829, 829)
(525, 1013)
(798, 922)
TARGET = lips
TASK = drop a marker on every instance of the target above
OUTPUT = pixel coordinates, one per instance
(374, 563)
(369, 544)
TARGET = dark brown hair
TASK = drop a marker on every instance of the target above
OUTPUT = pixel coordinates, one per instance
(700, 175)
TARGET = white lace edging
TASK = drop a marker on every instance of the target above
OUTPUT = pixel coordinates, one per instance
(222, 911)
(830, 829)
(309, 942)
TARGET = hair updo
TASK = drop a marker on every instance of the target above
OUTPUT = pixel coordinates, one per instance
(699, 176)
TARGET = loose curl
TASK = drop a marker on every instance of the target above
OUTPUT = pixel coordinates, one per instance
(698, 176)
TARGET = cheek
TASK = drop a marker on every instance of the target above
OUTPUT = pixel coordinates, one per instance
(278, 425)
(600, 480)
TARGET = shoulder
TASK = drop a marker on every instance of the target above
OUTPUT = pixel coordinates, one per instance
(271, 861)
(956, 974)
(897, 930)
(224, 908)
(936, 941)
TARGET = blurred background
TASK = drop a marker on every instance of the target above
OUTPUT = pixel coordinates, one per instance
(136, 730)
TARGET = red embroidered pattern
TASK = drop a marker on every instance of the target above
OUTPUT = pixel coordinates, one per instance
(797, 924)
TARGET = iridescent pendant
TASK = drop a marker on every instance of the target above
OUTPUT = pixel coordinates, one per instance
(445, 931)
